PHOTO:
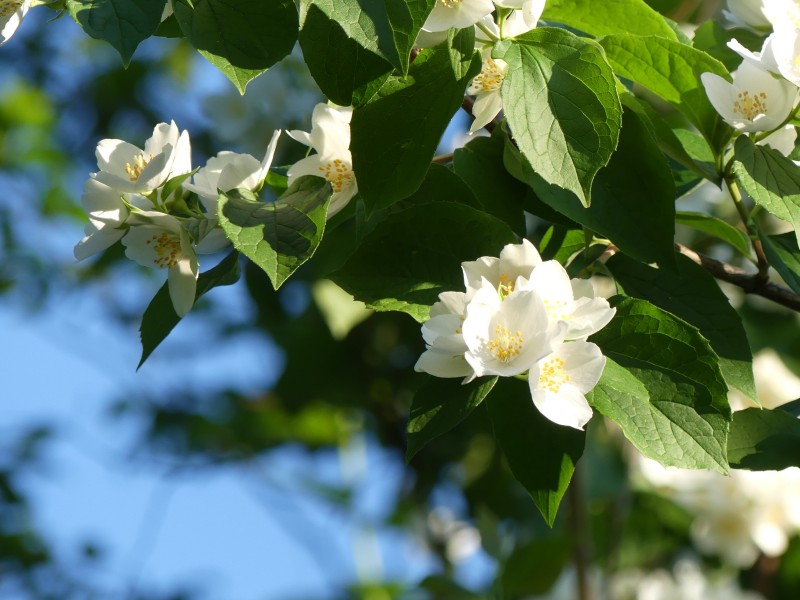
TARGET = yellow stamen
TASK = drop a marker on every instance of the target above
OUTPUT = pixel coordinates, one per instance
(139, 164)
(553, 375)
(167, 248)
(750, 106)
(490, 78)
(338, 173)
(505, 346)
(450, 3)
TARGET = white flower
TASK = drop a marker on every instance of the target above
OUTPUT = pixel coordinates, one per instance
(123, 166)
(747, 12)
(785, 50)
(456, 13)
(572, 301)
(530, 11)
(782, 14)
(227, 171)
(486, 89)
(755, 101)
(560, 381)
(444, 356)
(516, 260)
(507, 334)
(158, 240)
(11, 14)
(330, 137)
(107, 213)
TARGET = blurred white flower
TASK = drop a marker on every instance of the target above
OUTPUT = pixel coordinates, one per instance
(11, 14)
(782, 14)
(127, 168)
(775, 383)
(755, 101)
(330, 137)
(159, 240)
(747, 12)
(529, 11)
(736, 516)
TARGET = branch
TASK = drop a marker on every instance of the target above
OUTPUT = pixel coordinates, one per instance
(750, 283)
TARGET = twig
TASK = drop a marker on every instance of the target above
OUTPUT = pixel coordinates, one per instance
(750, 283)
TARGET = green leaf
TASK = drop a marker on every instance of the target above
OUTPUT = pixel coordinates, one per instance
(415, 254)
(604, 18)
(713, 38)
(441, 404)
(672, 71)
(770, 179)
(384, 28)
(160, 317)
(541, 454)
(534, 567)
(664, 430)
(715, 227)
(633, 198)
(395, 135)
(691, 293)
(681, 374)
(764, 440)
(686, 148)
(784, 256)
(344, 70)
(122, 23)
(279, 236)
(560, 244)
(441, 185)
(561, 103)
(242, 38)
(480, 164)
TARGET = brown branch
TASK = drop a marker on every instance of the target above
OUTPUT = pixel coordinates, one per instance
(750, 283)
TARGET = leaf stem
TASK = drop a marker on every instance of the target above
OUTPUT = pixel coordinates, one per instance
(733, 187)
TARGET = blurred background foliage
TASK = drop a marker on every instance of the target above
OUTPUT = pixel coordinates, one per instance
(345, 391)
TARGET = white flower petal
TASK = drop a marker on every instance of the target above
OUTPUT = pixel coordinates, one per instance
(458, 14)
(182, 284)
(96, 240)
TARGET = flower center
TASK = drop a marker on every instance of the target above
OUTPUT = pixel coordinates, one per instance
(558, 309)
(9, 7)
(506, 286)
(552, 375)
(505, 346)
(167, 249)
(490, 78)
(450, 3)
(750, 106)
(139, 163)
(338, 173)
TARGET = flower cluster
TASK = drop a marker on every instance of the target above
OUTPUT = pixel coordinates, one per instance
(140, 196)
(521, 315)
(513, 18)
(764, 89)
(144, 197)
